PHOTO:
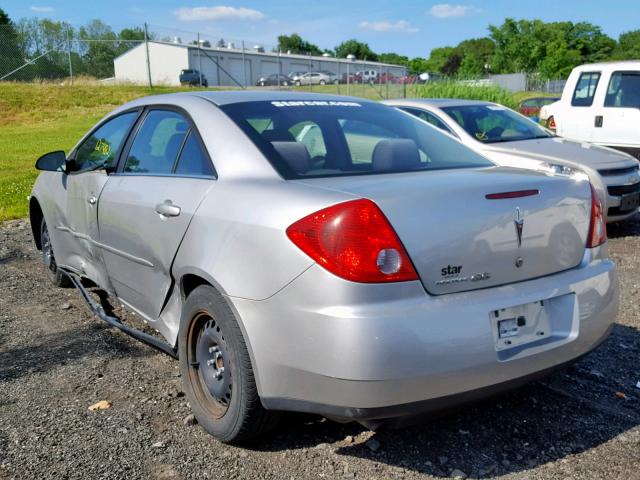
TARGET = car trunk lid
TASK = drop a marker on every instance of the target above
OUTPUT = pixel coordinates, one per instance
(459, 240)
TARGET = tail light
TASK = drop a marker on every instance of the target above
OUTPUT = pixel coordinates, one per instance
(597, 225)
(355, 241)
(551, 123)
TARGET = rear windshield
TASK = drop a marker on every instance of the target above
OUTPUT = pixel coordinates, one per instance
(305, 139)
(493, 123)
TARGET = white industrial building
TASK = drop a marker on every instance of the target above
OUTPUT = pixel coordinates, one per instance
(226, 66)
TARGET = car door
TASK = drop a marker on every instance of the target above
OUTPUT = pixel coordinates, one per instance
(76, 221)
(146, 207)
(577, 119)
(617, 118)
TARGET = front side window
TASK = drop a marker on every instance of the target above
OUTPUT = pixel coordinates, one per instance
(493, 123)
(334, 138)
(157, 144)
(101, 148)
(623, 90)
(585, 89)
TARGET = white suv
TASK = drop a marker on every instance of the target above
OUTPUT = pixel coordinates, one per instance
(600, 104)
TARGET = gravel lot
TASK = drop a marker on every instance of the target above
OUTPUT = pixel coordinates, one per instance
(57, 359)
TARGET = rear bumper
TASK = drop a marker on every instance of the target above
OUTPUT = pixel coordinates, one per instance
(368, 352)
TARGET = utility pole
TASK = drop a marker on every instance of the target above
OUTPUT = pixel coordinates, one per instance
(69, 56)
(199, 62)
(244, 67)
(146, 45)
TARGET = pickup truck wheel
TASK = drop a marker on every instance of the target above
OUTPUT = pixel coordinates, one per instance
(57, 277)
(216, 370)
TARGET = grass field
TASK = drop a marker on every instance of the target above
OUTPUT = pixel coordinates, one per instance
(39, 118)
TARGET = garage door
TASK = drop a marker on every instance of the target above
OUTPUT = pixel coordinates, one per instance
(267, 68)
(239, 73)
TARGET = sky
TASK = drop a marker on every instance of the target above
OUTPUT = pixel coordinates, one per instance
(409, 28)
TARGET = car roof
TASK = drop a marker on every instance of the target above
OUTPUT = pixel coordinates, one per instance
(435, 102)
(615, 64)
(227, 97)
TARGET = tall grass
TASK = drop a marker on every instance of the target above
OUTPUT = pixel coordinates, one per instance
(451, 89)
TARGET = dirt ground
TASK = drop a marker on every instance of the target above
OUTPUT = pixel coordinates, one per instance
(57, 359)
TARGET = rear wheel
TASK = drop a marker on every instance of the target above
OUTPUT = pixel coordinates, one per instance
(322, 82)
(216, 370)
(57, 277)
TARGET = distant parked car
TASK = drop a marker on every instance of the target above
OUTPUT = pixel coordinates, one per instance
(193, 78)
(531, 106)
(387, 77)
(332, 76)
(351, 78)
(313, 78)
(274, 79)
(600, 104)
(368, 75)
(295, 75)
(511, 140)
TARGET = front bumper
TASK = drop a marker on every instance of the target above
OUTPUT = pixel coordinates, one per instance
(365, 352)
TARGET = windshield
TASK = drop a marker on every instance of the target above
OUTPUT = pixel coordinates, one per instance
(323, 138)
(494, 123)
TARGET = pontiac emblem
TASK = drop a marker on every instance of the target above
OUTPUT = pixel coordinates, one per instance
(519, 223)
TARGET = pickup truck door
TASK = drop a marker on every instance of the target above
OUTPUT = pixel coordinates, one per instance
(76, 221)
(617, 118)
(147, 205)
(577, 116)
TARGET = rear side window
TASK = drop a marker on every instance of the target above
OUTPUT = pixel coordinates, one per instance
(428, 117)
(585, 89)
(157, 143)
(99, 150)
(623, 90)
(193, 160)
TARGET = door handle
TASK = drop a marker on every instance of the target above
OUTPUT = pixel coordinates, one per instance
(599, 121)
(168, 209)
(92, 200)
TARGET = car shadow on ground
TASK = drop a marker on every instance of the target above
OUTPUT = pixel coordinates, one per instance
(567, 413)
(49, 351)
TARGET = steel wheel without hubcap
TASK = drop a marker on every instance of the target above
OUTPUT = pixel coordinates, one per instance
(49, 260)
(210, 366)
(216, 370)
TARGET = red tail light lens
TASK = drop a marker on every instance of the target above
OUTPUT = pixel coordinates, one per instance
(355, 241)
(551, 123)
(598, 225)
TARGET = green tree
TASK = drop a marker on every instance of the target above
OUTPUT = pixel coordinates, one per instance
(628, 46)
(100, 48)
(362, 51)
(294, 43)
(11, 53)
(393, 58)
(476, 57)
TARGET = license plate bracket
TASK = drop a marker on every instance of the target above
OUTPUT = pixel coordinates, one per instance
(520, 324)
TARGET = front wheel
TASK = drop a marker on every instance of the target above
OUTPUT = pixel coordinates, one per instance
(298, 83)
(216, 370)
(322, 82)
(55, 275)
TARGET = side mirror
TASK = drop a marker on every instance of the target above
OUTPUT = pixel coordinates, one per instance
(52, 162)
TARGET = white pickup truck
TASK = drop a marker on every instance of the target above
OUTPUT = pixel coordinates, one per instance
(600, 104)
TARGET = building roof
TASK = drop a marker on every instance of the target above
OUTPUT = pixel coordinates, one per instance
(252, 51)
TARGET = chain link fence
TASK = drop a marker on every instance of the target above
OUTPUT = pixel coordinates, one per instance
(154, 55)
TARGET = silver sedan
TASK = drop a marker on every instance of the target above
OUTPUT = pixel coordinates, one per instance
(323, 254)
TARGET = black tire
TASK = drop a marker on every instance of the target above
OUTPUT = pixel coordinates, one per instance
(55, 275)
(262, 84)
(298, 83)
(285, 84)
(216, 370)
(322, 82)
